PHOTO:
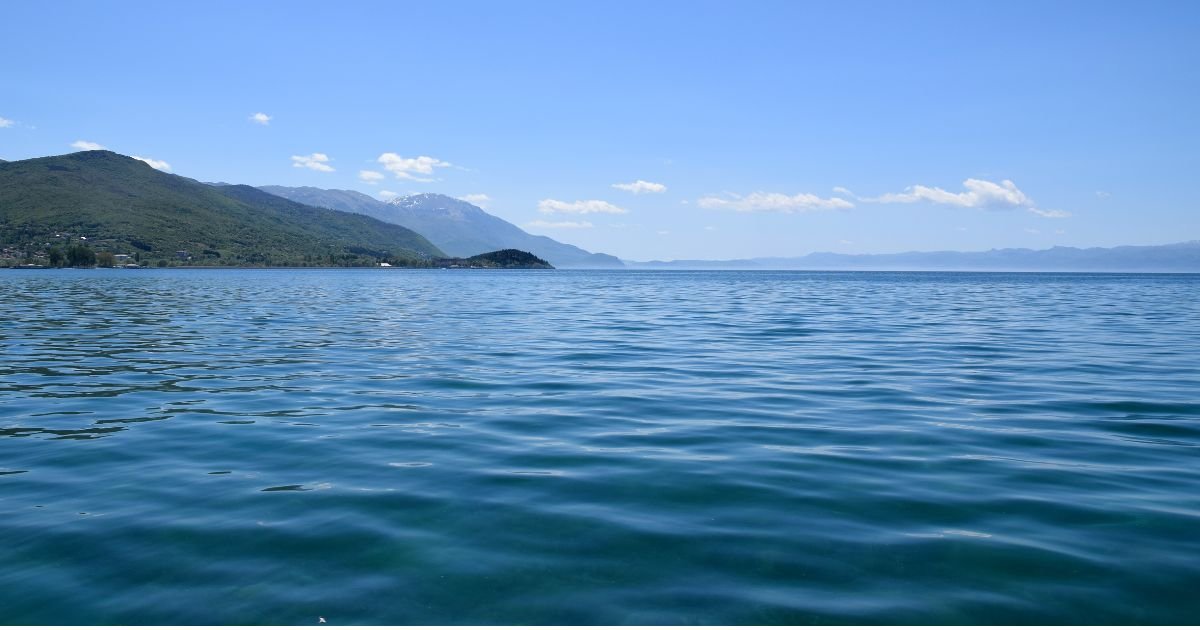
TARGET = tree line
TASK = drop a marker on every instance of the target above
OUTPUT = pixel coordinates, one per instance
(79, 256)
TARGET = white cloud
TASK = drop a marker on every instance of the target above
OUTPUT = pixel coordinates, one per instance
(260, 118)
(979, 193)
(709, 228)
(591, 206)
(478, 199)
(560, 224)
(663, 232)
(387, 195)
(1099, 193)
(773, 202)
(371, 177)
(316, 162)
(641, 186)
(1050, 214)
(1033, 230)
(409, 168)
(4, 122)
(158, 164)
(84, 145)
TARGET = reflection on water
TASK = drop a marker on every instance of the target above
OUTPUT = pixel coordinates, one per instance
(412, 447)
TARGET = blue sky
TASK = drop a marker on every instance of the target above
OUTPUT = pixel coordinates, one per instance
(772, 128)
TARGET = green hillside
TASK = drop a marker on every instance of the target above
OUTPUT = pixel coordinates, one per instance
(116, 203)
(502, 259)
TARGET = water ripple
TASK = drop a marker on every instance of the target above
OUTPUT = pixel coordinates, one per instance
(409, 447)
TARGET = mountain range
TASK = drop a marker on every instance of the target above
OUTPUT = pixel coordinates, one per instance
(121, 204)
(457, 227)
(1178, 257)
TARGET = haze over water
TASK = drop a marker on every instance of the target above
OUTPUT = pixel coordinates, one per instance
(444, 447)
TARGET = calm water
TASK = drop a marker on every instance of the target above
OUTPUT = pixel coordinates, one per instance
(404, 447)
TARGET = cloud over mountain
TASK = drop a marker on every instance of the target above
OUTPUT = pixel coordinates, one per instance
(590, 206)
(411, 168)
(158, 164)
(84, 145)
(977, 193)
(315, 161)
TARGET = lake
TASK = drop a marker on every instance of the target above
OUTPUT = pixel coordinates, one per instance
(598, 447)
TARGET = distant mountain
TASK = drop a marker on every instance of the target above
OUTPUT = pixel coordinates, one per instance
(456, 226)
(123, 205)
(344, 200)
(1178, 257)
(732, 264)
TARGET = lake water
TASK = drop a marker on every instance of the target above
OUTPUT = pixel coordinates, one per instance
(494, 447)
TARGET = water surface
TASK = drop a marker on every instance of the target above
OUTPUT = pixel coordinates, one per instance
(492, 447)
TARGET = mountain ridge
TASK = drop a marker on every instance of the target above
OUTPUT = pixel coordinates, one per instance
(458, 227)
(1181, 257)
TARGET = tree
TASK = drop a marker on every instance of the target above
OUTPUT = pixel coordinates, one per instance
(56, 257)
(105, 259)
(80, 256)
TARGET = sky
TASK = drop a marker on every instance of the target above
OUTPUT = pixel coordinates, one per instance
(651, 130)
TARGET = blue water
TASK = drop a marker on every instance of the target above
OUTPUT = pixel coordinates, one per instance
(492, 447)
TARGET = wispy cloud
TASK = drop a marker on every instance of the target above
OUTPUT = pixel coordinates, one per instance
(260, 118)
(315, 161)
(773, 202)
(388, 195)
(158, 164)
(411, 168)
(4, 122)
(591, 206)
(641, 186)
(84, 145)
(1103, 194)
(371, 177)
(977, 193)
(1050, 214)
(478, 199)
(559, 225)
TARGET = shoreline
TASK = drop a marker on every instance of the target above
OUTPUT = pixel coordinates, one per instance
(629, 270)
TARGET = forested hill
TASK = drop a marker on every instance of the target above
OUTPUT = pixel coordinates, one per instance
(116, 203)
(502, 259)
